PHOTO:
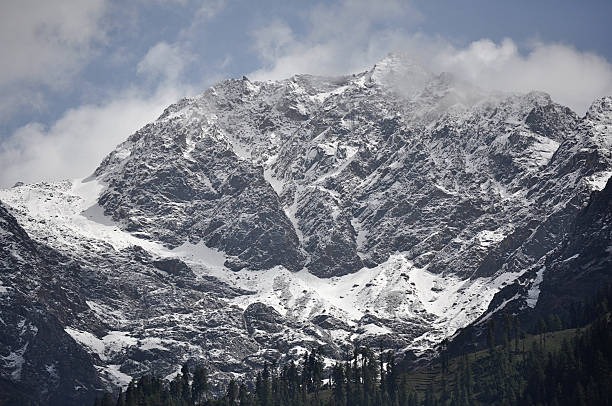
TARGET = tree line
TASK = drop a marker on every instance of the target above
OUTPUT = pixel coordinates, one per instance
(555, 367)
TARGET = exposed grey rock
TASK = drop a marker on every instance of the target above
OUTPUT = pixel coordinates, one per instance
(40, 362)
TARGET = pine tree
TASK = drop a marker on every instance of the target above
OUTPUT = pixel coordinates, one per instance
(244, 396)
(491, 335)
(199, 386)
(262, 387)
(315, 361)
(121, 398)
(176, 387)
(130, 395)
(231, 394)
(293, 382)
(339, 384)
(579, 395)
(391, 377)
(185, 388)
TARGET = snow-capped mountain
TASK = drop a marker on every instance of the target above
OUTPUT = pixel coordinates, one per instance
(258, 219)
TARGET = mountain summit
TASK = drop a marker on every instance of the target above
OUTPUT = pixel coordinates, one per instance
(257, 219)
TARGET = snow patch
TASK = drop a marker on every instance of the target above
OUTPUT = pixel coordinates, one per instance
(534, 291)
(277, 185)
(201, 254)
(543, 150)
(395, 288)
(88, 340)
(107, 314)
(321, 97)
(70, 211)
(598, 180)
(445, 190)
(152, 343)
(114, 375)
(291, 211)
(487, 238)
(115, 342)
(498, 308)
(329, 148)
(362, 235)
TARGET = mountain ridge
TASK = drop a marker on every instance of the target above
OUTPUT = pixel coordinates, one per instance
(263, 218)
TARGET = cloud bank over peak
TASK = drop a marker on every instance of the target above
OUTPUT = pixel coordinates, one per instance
(47, 40)
(339, 38)
(573, 78)
(353, 36)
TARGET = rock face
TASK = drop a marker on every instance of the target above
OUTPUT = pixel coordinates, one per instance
(40, 362)
(337, 174)
(260, 218)
(561, 283)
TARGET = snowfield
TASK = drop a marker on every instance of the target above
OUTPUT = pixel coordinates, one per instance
(66, 214)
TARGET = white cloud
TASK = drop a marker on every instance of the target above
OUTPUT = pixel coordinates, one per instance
(164, 62)
(44, 44)
(75, 144)
(271, 42)
(46, 41)
(351, 36)
(209, 9)
(572, 77)
(203, 12)
(340, 38)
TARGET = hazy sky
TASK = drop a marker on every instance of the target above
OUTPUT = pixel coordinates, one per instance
(77, 77)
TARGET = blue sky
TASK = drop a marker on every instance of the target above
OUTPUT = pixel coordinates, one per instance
(77, 77)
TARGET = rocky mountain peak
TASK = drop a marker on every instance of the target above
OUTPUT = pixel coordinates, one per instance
(601, 109)
(599, 117)
(401, 73)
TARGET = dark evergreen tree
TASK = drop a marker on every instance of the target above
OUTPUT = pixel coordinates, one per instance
(131, 395)
(244, 396)
(338, 384)
(231, 394)
(121, 398)
(185, 387)
(199, 386)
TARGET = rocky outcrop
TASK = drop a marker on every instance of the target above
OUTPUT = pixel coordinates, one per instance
(40, 362)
